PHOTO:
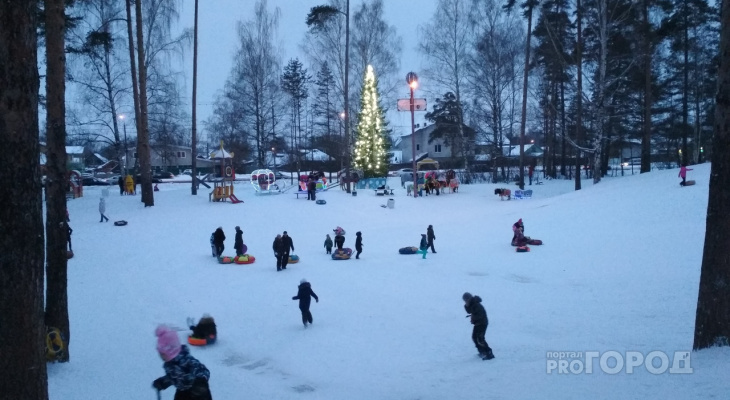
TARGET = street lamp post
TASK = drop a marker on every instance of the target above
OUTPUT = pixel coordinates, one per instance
(412, 80)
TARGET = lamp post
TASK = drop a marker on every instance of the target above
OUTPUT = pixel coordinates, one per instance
(124, 127)
(412, 80)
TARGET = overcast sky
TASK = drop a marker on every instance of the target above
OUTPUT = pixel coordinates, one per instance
(217, 41)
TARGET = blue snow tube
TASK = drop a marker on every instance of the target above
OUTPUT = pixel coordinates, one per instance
(408, 250)
(343, 254)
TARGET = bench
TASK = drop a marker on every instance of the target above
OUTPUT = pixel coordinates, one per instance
(384, 192)
(302, 192)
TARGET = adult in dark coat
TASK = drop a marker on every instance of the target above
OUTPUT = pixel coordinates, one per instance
(519, 238)
(218, 238)
(312, 189)
(473, 307)
(284, 247)
(431, 237)
(120, 182)
(358, 245)
(238, 244)
(304, 295)
(339, 241)
(276, 246)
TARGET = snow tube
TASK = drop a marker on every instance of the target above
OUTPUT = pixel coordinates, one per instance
(343, 254)
(55, 345)
(244, 259)
(522, 249)
(408, 250)
(225, 259)
(321, 202)
(120, 223)
(534, 242)
(293, 259)
(193, 341)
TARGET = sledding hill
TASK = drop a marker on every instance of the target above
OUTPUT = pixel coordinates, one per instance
(619, 271)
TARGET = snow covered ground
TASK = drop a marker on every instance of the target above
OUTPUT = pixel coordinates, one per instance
(619, 271)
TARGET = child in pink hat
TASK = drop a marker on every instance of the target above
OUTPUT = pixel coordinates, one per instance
(189, 375)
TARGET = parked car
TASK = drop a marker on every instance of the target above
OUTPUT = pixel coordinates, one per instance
(188, 172)
(163, 175)
(91, 181)
(138, 179)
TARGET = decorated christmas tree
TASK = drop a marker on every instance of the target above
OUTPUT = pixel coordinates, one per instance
(372, 139)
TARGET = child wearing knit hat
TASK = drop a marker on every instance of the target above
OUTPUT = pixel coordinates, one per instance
(185, 372)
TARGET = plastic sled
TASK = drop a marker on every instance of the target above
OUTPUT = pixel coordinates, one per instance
(193, 341)
(535, 242)
(522, 249)
(687, 183)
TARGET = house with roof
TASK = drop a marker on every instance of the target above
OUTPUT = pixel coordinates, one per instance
(437, 149)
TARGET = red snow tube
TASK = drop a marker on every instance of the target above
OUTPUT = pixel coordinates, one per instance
(244, 259)
(522, 249)
(201, 341)
(225, 259)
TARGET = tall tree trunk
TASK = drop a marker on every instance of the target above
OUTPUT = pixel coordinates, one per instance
(685, 86)
(601, 91)
(194, 150)
(646, 137)
(523, 121)
(22, 359)
(56, 182)
(135, 87)
(712, 324)
(579, 95)
(143, 136)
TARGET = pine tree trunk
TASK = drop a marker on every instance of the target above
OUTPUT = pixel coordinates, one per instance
(579, 95)
(143, 136)
(22, 359)
(133, 70)
(712, 324)
(646, 137)
(523, 121)
(194, 150)
(56, 182)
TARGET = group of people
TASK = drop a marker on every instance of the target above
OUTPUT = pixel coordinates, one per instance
(127, 185)
(218, 238)
(311, 183)
(190, 376)
(340, 242)
(282, 245)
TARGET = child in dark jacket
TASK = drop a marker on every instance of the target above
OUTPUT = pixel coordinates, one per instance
(205, 329)
(423, 247)
(304, 296)
(473, 307)
(328, 244)
(185, 372)
(358, 245)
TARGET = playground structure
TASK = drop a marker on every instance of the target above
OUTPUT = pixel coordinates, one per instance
(223, 185)
(75, 185)
(264, 182)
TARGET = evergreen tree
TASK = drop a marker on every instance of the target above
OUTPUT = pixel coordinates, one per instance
(371, 144)
(295, 83)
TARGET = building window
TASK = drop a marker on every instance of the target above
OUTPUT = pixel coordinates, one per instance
(418, 147)
(437, 148)
(180, 154)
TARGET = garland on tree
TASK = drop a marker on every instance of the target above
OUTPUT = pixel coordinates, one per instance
(371, 146)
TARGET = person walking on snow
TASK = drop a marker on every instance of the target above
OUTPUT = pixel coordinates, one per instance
(683, 173)
(304, 295)
(285, 245)
(238, 244)
(102, 210)
(218, 241)
(328, 244)
(473, 307)
(276, 246)
(423, 247)
(185, 372)
(431, 237)
(358, 245)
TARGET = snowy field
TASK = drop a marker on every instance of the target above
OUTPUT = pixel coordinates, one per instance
(619, 271)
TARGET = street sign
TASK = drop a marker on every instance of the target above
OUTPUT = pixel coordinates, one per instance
(405, 104)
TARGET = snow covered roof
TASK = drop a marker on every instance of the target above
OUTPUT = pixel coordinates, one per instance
(102, 158)
(418, 156)
(220, 153)
(315, 155)
(514, 151)
(74, 149)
